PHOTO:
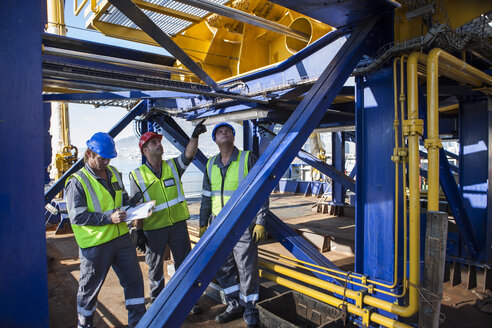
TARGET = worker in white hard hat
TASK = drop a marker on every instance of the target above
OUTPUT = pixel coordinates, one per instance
(238, 276)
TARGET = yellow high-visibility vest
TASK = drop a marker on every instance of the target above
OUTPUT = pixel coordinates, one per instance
(222, 190)
(99, 200)
(171, 206)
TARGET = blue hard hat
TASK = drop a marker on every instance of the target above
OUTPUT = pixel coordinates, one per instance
(222, 124)
(102, 144)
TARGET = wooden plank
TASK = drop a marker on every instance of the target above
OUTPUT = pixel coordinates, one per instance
(435, 256)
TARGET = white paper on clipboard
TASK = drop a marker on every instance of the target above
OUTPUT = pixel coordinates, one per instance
(140, 211)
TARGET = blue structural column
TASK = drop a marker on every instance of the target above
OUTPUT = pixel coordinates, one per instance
(23, 270)
(250, 137)
(375, 182)
(475, 154)
(338, 161)
(47, 140)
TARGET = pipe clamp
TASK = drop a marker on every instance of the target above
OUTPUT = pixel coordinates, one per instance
(433, 143)
(413, 127)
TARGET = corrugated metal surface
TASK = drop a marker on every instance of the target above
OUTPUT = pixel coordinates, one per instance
(170, 25)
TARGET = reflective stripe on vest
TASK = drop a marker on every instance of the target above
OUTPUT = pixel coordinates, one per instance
(171, 204)
(222, 191)
(99, 200)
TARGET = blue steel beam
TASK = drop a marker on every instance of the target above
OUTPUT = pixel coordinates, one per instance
(297, 245)
(175, 134)
(84, 46)
(130, 10)
(169, 92)
(139, 109)
(353, 174)
(338, 160)
(185, 287)
(456, 203)
(23, 268)
(339, 13)
(452, 167)
(328, 170)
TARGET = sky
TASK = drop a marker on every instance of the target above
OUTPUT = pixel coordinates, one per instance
(86, 120)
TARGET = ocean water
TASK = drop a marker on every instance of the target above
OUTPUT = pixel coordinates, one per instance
(192, 178)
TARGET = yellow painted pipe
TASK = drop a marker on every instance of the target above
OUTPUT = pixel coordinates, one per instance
(340, 275)
(349, 293)
(414, 131)
(433, 143)
(463, 72)
(374, 317)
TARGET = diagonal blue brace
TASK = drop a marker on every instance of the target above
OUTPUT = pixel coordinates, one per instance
(173, 132)
(298, 246)
(130, 10)
(60, 183)
(452, 167)
(456, 203)
(185, 287)
(353, 174)
(328, 170)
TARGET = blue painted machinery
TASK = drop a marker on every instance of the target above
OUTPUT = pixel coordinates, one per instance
(376, 289)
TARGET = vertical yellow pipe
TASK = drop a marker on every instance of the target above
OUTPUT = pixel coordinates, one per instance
(396, 159)
(404, 58)
(413, 127)
(433, 143)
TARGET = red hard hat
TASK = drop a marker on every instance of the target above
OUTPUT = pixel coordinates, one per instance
(146, 137)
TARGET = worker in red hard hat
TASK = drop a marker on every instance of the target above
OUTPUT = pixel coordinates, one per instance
(238, 276)
(160, 180)
(94, 196)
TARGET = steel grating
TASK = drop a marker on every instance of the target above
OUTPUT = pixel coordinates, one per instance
(170, 25)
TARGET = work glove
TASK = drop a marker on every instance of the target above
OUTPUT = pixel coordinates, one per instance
(202, 231)
(259, 233)
(199, 129)
(141, 241)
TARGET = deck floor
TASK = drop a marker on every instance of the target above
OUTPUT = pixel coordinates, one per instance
(296, 211)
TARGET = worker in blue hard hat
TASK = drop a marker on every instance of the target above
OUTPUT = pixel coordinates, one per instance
(160, 180)
(94, 196)
(238, 276)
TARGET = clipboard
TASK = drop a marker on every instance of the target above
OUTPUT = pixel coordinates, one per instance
(140, 211)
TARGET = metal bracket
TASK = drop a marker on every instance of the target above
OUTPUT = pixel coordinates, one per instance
(400, 155)
(366, 316)
(413, 126)
(433, 143)
(359, 300)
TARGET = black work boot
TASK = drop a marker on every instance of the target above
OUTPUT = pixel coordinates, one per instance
(225, 316)
(196, 309)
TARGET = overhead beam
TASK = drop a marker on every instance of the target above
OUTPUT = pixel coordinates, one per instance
(130, 10)
(170, 92)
